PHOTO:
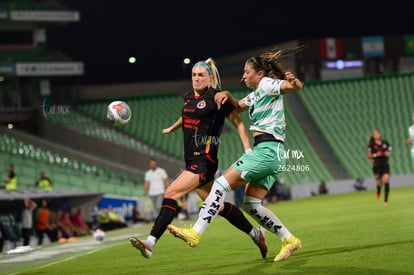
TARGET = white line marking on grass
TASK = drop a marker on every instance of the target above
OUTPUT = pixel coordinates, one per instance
(77, 256)
(69, 258)
(47, 253)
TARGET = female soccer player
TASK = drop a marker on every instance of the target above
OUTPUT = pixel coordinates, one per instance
(260, 168)
(378, 151)
(202, 123)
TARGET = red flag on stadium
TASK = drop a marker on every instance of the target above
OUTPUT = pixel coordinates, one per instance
(331, 48)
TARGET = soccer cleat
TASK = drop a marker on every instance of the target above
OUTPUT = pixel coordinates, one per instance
(142, 246)
(378, 196)
(260, 241)
(288, 247)
(386, 203)
(189, 235)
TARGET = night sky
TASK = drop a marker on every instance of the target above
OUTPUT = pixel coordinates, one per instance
(160, 35)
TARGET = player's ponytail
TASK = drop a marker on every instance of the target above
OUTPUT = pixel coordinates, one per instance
(216, 81)
(270, 62)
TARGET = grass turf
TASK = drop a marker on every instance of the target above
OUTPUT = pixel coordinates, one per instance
(341, 234)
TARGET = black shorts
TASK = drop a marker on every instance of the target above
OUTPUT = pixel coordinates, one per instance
(381, 168)
(204, 168)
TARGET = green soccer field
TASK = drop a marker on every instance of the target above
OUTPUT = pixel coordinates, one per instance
(341, 234)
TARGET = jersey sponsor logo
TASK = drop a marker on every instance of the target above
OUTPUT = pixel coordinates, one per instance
(190, 123)
(201, 104)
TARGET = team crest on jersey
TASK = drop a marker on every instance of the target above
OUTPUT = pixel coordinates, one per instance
(249, 100)
(201, 104)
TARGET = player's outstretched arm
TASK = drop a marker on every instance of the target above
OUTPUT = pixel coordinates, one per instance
(173, 127)
(225, 96)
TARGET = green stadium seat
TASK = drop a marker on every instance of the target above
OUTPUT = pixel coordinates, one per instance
(65, 173)
(347, 111)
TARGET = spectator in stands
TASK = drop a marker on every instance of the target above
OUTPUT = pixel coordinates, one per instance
(64, 228)
(79, 223)
(378, 152)
(44, 183)
(27, 220)
(11, 180)
(55, 232)
(115, 219)
(66, 225)
(410, 140)
(202, 123)
(42, 222)
(156, 181)
(359, 184)
(108, 220)
(102, 220)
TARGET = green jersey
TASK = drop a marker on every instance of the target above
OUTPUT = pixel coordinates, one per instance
(266, 110)
(411, 136)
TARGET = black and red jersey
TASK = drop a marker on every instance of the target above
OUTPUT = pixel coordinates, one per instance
(379, 150)
(202, 125)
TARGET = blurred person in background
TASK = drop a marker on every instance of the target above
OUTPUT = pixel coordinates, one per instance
(115, 219)
(27, 220)
(10, 182)
(323, 189)
(65, 223)
(102, 220)
(156, 181)
(42, 222)
(359, 184)
(78, 221)
(108, 219)
(64, 229)
(44, 183)
(55, 231)
(378, 152)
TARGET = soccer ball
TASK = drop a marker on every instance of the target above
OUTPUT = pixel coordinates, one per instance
(99, 235)
(118, 113)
